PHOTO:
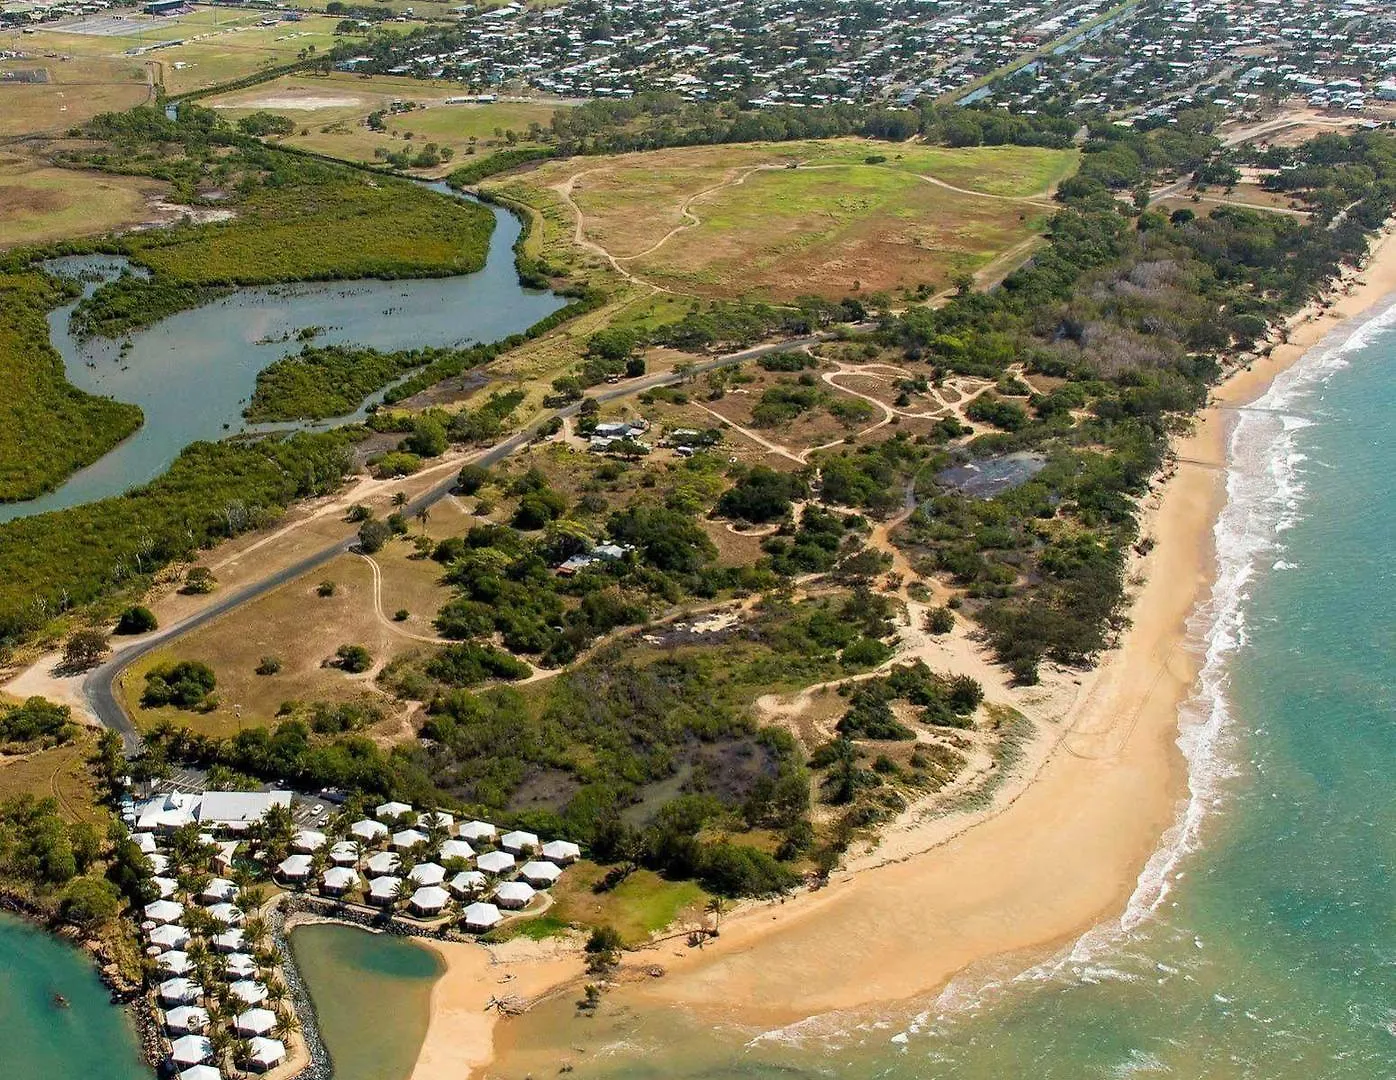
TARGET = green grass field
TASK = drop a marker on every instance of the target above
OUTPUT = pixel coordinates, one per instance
(39, 203)
(641, 905)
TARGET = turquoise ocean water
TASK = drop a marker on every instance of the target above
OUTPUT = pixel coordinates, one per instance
(1261, 941)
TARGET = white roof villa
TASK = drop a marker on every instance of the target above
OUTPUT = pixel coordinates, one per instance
(165, 886)
(165, 812)
(169, 936)
(455, 849)
(390, 811)
(164, 911)
(435, 817)
(429, 900)
(467, 882)
(227, 914)
(190, 1050)
(266, 1053)
(293, 868)
(513, 895)
(146, 842)
(229, 941)
(476, 830)
(186, 1019)
(254, 1022)
(201, 1072)
(495, 862)
(158, 863)
(338, 880)
(540, 873)
(482, 916)
(236, 810)
(180, 991)
(308, 840)
(368, 830)
(562, 852)
(218, 890)
(174, 962)
(344, 853)
(241, 966)
(249, 991)
(518, 841)
(385, 862)
(408, 838)
(384, 890)
(427, 873)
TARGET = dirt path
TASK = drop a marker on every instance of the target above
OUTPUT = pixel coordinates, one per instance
(396, 627)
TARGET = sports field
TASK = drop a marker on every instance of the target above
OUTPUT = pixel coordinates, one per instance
(48, 94)
(777, 220)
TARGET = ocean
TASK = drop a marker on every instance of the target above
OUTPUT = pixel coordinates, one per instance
(1261, 940)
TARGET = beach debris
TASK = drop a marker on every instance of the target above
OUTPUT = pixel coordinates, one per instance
(506, 1006)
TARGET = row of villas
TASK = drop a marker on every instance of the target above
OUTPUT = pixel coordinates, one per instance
(218, 978)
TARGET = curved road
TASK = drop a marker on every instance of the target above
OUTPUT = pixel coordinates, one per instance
(99, 688)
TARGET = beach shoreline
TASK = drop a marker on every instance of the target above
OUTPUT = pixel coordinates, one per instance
(1001, 890)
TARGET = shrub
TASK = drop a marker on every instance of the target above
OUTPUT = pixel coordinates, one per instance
(183, 685)
(472, 478)
(136, 619)
(325, 588)
(269, 665)
(941, 620)
(401, 615)
(199, 581)
(353, 658)
(373, 535)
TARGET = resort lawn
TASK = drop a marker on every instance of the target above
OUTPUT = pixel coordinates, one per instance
(641, 905)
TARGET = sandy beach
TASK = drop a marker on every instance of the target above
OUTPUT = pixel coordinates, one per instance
(1059, 852)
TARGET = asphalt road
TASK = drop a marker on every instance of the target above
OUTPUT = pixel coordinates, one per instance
(99, 688)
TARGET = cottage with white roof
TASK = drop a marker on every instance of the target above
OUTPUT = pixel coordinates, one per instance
(186, 1020)
(169, 936)
(384, 890)
(248, 991)
(391, 811)
(561, 852)
(190, 1050)
(427, 874)
(229, 941)
(455, 849)
(540, 874)
(519, 842)
(201, 1072)
(370, 832)
(513, 895)
(408, 839)
(294, 868)
(227, 914)
(435, 817)
(218, 891)
(265, 1054)
(179, 991)
(256, 1021)
(174, 962)
(345, 853)
(307, 841)
(241, 966)
(495, 862)
(385, 862)
(476, 831)
(429, 900)
(338, 880)
(468, 883)
(480, 916)
(164, 911)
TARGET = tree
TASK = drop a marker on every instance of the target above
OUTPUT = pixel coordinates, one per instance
(399, 498)
(612, 344)
(84, 649)
(136, 619)
(472, 478)
(373, 534)
(353, 658)
(89, 902)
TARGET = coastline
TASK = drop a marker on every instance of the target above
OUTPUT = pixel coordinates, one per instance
(995, 892)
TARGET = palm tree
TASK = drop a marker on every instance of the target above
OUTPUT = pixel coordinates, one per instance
(255, 930)
(276, 992)
(286, 1024)
(399, 499)
(715, 907)
(423, 516)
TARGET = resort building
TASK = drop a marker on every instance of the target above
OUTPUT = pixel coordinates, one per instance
(218, 891)
(169, 936)
(481, 917)
(174, 962)
(227, 914)
(370, 832)
(345, 853)
(179, 991)
(265, 1054)
(435, 817)
(241, 966)
(540, 874)
(513, 895)
(391, 811)
(164, 911)
(384, 890)
(338, 880)
(229, 941)
(201, 1072)
(519, 842)
(427, 873)
(254, 1022)
(294, 868)
(430, 900)
(164, 887)
(562, 852)
(158, 863)
(385, 862)
(307, 841)
(236, 810)
(495, 862)
(190, 1050)
(455, 849)
(468, 883)
(249, 991)
(408, 839)
(186, 1020)
(478, 832)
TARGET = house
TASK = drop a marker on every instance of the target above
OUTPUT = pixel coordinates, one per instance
(476, 831)
(338, 880)
(223, 856)
(408, 839)
(391, 811)
(455, 849)
(164, 887)
(435, 817)
(190, 1050)
(146, 842)
(186, 1020)
(236, 810)
(241, 966)
(519, 842)
(159, 864)
(562, 852)
(468, 883)
(513, 895)
(384, 890)
(307, 841)
(427, 873)
(495, 862)
(178, 991)
(540, 874)
(248, 991)
(201, 1072)
(430, 900)
(345, 853)
(227, 914)
(254, 1022)
(218, 891)
(370, 832)
(169, 937)
(174, 962)
(229, 941)
(265, 1054)
(479, 917)
(294, 868)
(164, 911)
(385, 862)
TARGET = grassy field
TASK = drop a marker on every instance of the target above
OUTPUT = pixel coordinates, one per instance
(776, 220)
(60, 773)
(76, 90)
(39, 203)
(641, 905)
(332, 111)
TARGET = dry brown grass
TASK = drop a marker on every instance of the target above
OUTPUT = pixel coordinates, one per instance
(60, 773)
(39, 203)
(78, 89)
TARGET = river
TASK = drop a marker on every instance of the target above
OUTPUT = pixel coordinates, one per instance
(193, 373)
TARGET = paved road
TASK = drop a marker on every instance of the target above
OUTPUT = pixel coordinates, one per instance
(99, 688)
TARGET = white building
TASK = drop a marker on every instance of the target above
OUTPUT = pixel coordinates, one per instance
(476, 831)
(236, 810)
(408, 839)
(429, 900)
(468, 883)
(480, 917)
(455, 849)
(338, 880)
(190, 1050)
(218, 891)
(384, 890)
(186, 1020)
(513, 895)
(179, 991)
(435, 817)
(174, 962)
(385, 862)
(164, 911)
(495, 862)
(249, 991)
(294, 868)
(427, 873)
(308, 840)
(562, 852)
(519, 842)
(254, 1022)
(370, 832)
(169, 936)
(229, 941)
(391, 811)
(266, 1054)
(345, 853)
(540, 874)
